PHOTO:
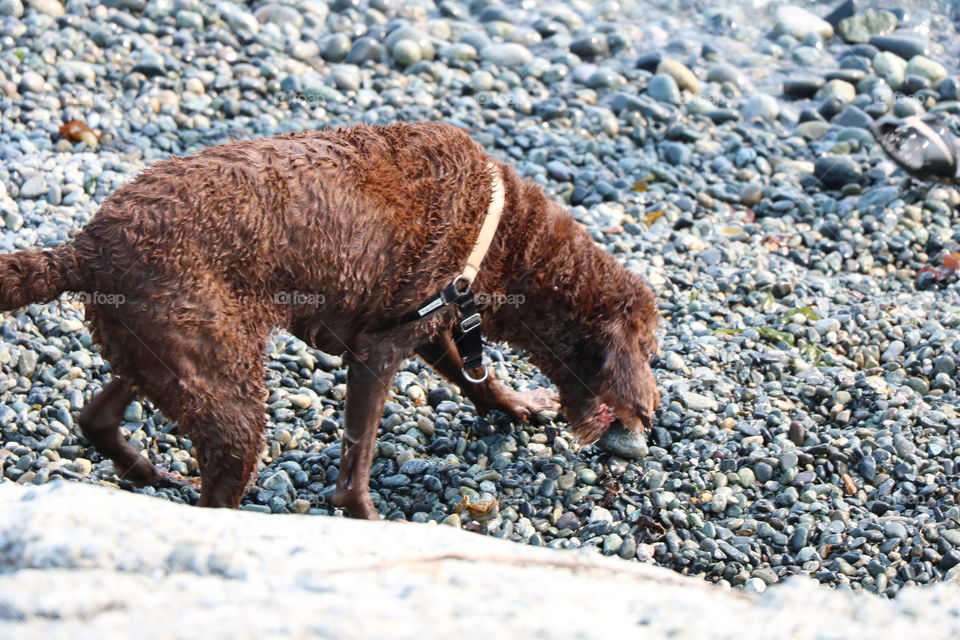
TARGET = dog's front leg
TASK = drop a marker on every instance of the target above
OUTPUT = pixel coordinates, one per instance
(441, 354)
(368, 381)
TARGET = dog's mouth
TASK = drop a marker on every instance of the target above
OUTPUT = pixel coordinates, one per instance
(609, 416)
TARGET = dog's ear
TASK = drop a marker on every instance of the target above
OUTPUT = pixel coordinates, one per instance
(618, 361)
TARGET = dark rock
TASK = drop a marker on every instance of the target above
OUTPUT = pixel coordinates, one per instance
(853, 76)
(649, 62)
(851, 116)
(719, 116)
(904, 46)
(864, 50)
(949, 560)
(859, 63)
(676, 153)
(591, 47)
(806, 115)
(831, 107)
(802, 87)
(365, 49)
(494, 14)
(913, 84)
(843, 10)
(836, 171)
(948, 88)
(579, 195)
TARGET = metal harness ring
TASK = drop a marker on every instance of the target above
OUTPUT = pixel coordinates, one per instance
(486, 374)
(456, 284)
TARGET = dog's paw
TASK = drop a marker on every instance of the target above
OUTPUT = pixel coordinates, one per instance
(525, 405)
(174, 479)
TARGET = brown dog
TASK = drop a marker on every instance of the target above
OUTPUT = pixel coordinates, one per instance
(326, 234)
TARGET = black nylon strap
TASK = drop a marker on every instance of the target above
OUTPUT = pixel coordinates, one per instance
(431, 305)
(466, 334)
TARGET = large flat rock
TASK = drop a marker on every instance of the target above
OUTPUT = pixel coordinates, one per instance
(82, 561)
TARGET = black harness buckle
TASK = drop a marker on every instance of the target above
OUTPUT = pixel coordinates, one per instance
(470, 323)
(466, 333)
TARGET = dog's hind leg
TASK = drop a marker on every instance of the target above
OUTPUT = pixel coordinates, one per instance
(228, 436)
(207, 375)
(441, 354)
(100, 421)
(368, 381)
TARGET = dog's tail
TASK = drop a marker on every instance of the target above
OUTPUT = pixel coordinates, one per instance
(37, 276)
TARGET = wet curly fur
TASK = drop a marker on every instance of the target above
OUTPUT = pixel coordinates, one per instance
(325, 234)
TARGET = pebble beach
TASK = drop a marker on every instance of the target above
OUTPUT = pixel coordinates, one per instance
(808, 288)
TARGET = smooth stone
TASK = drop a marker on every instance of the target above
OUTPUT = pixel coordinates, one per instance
(852, 116)
(843, 91)
(304, 51)
(676, 153)
(663, 88)
(458, 52)
(719, 116)
(415, 467)
(925, 67)
(150, 63)
(799, 23)
(507, 54)
(12, 8)
(346, 77)
(335, 48)
(685, 78)
(806, 56)
(754, 585)
(698, 402)
(812, 129)
(281, 484)
(945, 364)
(365, 49)
(725, 72)
(238, 18)
(51, 8)
(802, 87)
(859, 28)
(878, 197)
(904, 46)
(280, 15)
(623, 443)
(190, 20)
(406, 53)
(408, 33)
(895, 530)
(893, 351)
(673, 361)
(34, 187)
(751, 194)
(891, 67)
(836, 171)
(600, 514)
(949, 88)
(595, 46)
(32, 81)
(649, 61)
(762, 106)
(843, 10)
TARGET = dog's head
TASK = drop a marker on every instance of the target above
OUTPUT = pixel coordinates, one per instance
(611, 379)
